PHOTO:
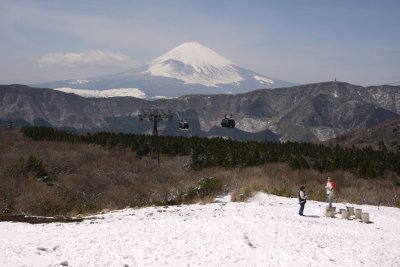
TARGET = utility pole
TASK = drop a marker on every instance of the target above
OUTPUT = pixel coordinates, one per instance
(155, 115)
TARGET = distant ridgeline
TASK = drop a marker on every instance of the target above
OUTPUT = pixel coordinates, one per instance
(206, 152)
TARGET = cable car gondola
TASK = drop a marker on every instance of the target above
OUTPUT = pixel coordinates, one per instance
(228, 122)
(183, 125)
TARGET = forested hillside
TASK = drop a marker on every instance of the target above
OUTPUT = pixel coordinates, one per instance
(44, 171)
(205, 152)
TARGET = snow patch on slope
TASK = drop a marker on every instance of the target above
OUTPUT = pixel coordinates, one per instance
(120, 92)
(323, 133)
(80, 82)
(263, 80)
(207, 124)
(387, 101)
(194, 63)
(255, 124)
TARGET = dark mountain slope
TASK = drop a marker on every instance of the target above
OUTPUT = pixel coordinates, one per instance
(303, 113)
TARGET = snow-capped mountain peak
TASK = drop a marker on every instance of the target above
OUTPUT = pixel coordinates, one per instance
(195, 64)
(190, 68)
(195, 54)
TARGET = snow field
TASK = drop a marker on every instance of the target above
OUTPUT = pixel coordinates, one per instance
(119, 92)
(265, 231)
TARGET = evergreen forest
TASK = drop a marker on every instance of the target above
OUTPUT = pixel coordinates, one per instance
(211, 152)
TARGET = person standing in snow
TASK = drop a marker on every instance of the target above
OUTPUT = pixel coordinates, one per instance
(302, 199)
(329, 186)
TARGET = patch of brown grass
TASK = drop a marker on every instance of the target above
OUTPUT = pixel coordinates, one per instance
(89, 178)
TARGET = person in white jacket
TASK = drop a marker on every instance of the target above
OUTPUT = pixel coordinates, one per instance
(329, 191)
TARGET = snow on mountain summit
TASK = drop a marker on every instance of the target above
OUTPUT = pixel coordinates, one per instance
(190, 68)
(195, 64)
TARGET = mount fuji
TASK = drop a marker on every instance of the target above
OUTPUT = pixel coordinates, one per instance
(190, 68)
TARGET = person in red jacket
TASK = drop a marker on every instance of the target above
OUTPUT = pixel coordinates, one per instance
(330, 187)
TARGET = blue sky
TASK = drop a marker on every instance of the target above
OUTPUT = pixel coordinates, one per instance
(298, 41)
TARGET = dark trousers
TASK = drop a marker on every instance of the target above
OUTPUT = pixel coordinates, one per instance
(301, 208)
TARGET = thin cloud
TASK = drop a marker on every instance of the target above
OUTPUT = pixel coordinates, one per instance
(92, 58)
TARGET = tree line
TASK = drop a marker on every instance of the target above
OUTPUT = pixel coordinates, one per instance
(207, 152)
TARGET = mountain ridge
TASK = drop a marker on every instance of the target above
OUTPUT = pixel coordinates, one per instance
(386, 133)
(314, 112)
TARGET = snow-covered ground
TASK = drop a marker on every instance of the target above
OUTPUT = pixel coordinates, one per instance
(264, 231)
